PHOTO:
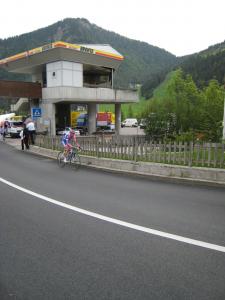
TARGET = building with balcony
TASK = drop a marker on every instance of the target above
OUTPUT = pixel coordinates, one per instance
(72, 74)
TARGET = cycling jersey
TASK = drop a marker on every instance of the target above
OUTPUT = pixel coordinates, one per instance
(67, 138)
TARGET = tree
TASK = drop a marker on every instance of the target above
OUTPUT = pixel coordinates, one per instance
(185, 97)
(212, 111)
(193, 110)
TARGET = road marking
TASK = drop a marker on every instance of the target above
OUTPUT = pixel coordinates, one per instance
(116, 221)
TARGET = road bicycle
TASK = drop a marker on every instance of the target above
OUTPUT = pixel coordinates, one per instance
(72, 158)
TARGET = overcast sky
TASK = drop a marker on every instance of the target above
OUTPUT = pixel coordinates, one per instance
(178, 26)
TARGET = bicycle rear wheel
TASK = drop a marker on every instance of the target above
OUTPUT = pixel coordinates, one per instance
(75, 160)
(60, 159)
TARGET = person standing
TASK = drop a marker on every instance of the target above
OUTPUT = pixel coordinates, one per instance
(6, 127)
(2, 133)
(32, 131)
(24, 135)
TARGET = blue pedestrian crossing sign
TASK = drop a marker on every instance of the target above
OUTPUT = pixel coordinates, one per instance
(36, 112)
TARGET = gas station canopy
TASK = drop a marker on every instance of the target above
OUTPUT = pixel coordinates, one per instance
(31, 61)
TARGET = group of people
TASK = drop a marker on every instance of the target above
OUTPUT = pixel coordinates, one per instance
(28, 132)
(27, 135)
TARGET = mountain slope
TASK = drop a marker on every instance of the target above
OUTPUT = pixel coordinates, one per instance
(141, 59)
(206, 65)
(213, 49)
(203, 66)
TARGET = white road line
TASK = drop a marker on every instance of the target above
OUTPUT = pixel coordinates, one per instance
(116, 221)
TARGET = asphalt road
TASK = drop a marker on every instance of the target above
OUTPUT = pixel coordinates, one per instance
(51, 251)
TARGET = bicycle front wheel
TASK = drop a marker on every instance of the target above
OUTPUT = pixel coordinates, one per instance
(75, 160)
(61, 159)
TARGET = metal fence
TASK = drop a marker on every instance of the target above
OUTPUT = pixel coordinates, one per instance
(137, 148)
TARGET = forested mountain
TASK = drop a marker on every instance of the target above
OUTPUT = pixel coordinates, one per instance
(213, 49)
(203, 66)
(188, 103)
(153, 81)
(206, 65)
(141, 59)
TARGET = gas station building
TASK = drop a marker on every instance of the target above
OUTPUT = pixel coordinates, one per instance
(71, 74)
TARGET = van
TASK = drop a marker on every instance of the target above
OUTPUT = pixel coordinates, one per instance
(129, 123)
(15, 128)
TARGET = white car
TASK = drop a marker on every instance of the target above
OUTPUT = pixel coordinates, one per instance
(61, 132)
(15, 128)
(130, 123)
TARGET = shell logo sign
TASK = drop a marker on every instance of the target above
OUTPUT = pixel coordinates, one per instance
(60, 44)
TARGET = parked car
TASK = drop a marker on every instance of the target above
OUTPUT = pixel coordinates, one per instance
(129, 123)
(62, 131)
(142, 124)
(15, 128)
(59, 131)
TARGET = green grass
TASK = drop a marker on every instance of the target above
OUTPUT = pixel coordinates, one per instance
(128, 110)
(162, 90)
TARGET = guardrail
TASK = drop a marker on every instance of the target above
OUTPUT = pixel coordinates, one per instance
(136, 148)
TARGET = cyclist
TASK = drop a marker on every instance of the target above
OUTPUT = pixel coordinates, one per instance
(68, 137)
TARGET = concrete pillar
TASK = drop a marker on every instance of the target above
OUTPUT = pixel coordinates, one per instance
(117, 118)
(48, 116)
(91, 118)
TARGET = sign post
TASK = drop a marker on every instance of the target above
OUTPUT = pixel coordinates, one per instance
(36, 112)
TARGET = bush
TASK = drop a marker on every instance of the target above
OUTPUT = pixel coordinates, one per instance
(186, 137)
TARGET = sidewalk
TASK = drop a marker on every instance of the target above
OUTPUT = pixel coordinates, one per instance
(172, 173)
(16, 143)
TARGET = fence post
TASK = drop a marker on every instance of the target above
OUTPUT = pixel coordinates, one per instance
(134, 149)
(222, 156)
(129, 148)
(190, 154)
(102, 142)
(197, 147)
(96, 145)
(169, 159)
(122, 149)
(174, 152)
(209, 146)
(180, 153)
(185, 152)
(203, 154)
(215, 154)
